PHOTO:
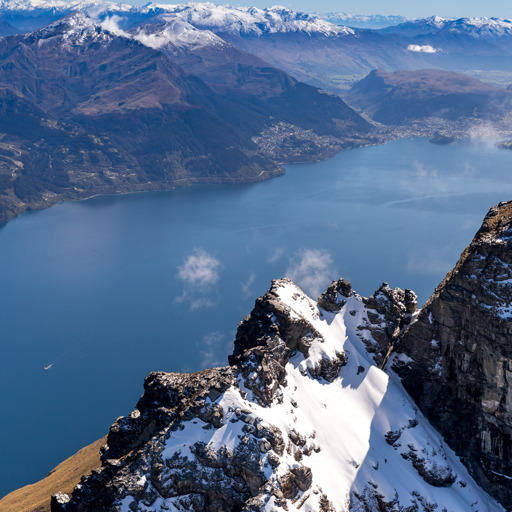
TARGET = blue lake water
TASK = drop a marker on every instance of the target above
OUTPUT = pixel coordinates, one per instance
(115, 287)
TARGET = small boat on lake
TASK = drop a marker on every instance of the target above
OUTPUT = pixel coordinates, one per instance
(47, 367)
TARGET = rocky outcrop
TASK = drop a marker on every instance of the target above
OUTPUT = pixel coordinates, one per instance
(226, 478)
(458, 364)
(335, 297)
(388, 311)
(267, 338)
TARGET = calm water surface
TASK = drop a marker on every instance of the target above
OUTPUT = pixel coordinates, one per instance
(115, 287)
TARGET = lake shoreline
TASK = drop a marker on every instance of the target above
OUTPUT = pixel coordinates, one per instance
(428, 128)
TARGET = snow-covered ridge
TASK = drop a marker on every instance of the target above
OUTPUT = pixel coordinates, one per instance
(79, 28)
(168, 29)
(75, 30)
(193, 25)
(304, 421)
(222, 19)
(373, 21)
(247, 20)
(83, 27)
(485, 28)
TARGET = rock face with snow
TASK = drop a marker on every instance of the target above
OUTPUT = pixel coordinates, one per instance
(302, 419)
(460, 349)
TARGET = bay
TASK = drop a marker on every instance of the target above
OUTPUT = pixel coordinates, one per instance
(109, 289)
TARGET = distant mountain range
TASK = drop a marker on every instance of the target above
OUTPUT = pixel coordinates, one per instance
(91, 108)
(318, 49)
(372, 21)
(402, 97)
(475, 28)
(105, 97)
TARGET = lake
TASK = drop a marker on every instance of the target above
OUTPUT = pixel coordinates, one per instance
(109, 289)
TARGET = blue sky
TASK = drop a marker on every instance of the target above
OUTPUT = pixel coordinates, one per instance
(456, 8)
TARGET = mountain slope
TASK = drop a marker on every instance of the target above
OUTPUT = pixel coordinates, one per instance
(303, 419)
(306, 46)
(254, 83)
(405, 96)
(37, 497)
(126, 116)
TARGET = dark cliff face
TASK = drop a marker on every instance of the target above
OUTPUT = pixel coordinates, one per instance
(461, 351)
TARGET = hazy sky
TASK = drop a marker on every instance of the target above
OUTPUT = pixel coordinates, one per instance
(456, 8)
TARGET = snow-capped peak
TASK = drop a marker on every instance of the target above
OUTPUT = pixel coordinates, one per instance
(74, 30)
(169, 29)
(64, 6)
(437, 21)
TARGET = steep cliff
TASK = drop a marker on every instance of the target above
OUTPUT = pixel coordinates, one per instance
(460, 350)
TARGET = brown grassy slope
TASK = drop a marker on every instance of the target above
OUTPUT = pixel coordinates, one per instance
(36, 497)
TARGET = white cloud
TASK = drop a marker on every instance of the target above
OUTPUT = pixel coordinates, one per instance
(213, 350)
(421, 49)
(154, 41)
(196, 302)
(200, 268)
(111, 24)
(246, 287)
(311, 270)
(199, 273)
(484, 136)
(276, 255)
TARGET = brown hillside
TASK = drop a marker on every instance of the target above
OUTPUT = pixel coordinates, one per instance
(36, 497)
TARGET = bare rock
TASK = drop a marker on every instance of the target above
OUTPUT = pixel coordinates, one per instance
(335, 297)
(460, 353)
